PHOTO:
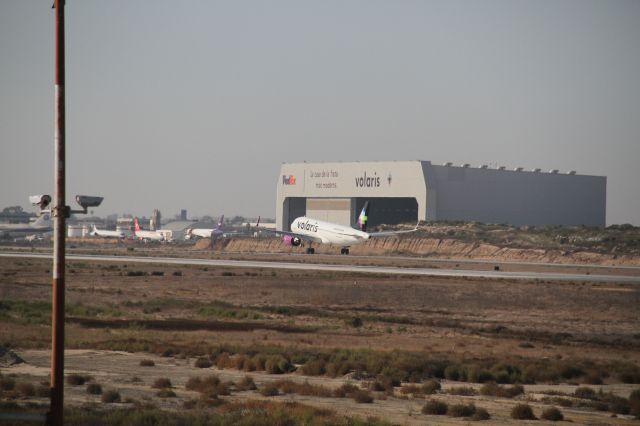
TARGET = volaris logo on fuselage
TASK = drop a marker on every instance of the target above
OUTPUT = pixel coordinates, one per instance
(368, 181)
(308, 226)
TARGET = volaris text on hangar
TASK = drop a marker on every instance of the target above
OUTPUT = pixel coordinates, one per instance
(407, 191)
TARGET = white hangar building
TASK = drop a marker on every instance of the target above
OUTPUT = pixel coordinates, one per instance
(405, 191)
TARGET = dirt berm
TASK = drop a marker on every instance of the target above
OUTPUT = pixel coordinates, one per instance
(432, 247)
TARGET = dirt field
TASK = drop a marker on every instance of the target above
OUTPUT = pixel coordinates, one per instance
(122, 313)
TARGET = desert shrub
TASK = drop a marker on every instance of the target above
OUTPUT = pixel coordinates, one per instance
(552, 414)
(462, 390)
(461, 410)
(177, 273)
(166, 393)
(269, 390)
(430, 387)
(110, 396)
(435, 407)
(411, 389)
(522, 412)
(7, 383)
(505, 373)
(76, 379)
(584, 392)
(246, 383)
(362, 396)
(453, 372)
(277, 365)
(94, 389)
(43, 391)
(157, 273)
(203, 362)
(480, 414)
(210, 386)
(355, 322)
(629, 373)
(25, 389)
(616, 404)
(493, 389)
(162, 383)
(147, 363)
(314, 367)
(345, 390)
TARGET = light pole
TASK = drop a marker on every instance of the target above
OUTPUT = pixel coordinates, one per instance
(59, 211)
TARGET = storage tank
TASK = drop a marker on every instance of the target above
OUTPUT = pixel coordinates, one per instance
(74, 231)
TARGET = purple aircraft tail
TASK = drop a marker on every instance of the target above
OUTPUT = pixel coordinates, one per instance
(220, 223)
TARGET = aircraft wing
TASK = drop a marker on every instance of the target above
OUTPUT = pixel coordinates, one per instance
(392, 233)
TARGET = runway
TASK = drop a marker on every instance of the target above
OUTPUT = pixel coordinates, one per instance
(384, 270)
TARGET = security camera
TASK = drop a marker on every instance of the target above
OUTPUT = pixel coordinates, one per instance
(41, 201)
(87, 201)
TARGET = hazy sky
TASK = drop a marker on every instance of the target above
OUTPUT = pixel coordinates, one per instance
(195, 104)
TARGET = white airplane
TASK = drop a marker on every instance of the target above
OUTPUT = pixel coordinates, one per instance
(317, 231)
(213, 233)
(42, 224)
(150, 235)
(105, 233)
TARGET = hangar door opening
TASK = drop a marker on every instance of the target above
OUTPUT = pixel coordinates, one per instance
(388, 211)
(335, 210)
(292, 208)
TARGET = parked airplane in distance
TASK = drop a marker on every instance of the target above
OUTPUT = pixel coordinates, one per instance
(213, 233)
(105, 233)
(42, 224)
(150, 235)
(317, 231)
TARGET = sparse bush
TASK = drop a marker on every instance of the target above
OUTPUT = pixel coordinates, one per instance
(355, 322)
(166, 393)
(76, 380)
(110, 396)
(461, 410)
(462, 390)
(269, 390)
(435, 407)
(157, 273)
(584, 392)
(246, 383)
(94, 389)
(177, 273)
(25, 389)
(210, 386)
(362, 396)
(7, 383)
(522, 412)
(552, 414)
(480, 414)
(203, 362)
(430, 387)
(147, 363)
(162, 383)
(411, 389)
(345, 390)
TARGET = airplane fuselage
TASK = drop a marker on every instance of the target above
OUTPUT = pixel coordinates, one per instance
(327, 232)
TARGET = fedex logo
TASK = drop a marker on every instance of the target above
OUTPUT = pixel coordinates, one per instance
(288, 180)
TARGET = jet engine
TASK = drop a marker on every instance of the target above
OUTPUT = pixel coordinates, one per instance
(291, 240)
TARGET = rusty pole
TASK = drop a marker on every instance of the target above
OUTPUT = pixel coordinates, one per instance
(59, 214)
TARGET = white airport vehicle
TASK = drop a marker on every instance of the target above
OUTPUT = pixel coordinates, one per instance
(305, 229)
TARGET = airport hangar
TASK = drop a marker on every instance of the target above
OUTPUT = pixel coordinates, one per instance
(405, 191)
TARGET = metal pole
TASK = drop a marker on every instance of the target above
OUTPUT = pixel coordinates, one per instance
(59, 214)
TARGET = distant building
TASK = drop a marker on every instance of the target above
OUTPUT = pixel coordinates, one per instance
(183, 214)
(405, 191)
(156, 220)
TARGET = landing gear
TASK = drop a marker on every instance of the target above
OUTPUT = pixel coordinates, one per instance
(344, 250)
(310, 250)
